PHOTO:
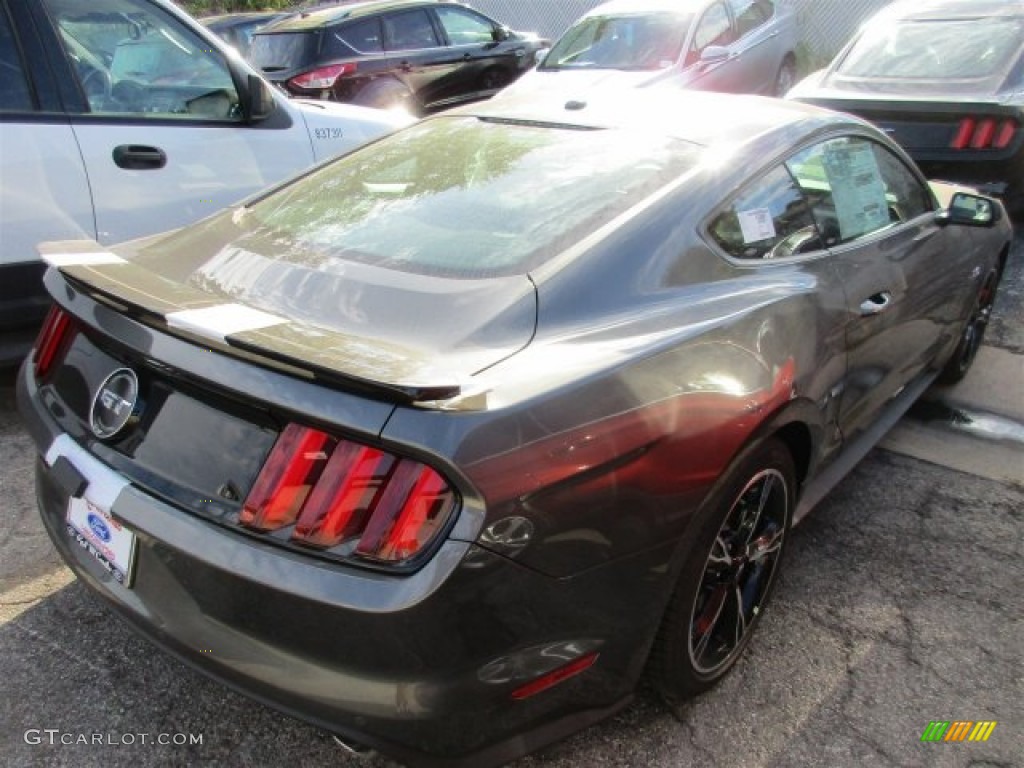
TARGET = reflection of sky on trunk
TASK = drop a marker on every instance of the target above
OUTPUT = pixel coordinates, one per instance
(462, 197)
(934, 50)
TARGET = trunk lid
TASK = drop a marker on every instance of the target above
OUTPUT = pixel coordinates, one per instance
(409, 337)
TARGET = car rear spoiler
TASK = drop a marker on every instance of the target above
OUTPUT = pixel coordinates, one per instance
(379, 369)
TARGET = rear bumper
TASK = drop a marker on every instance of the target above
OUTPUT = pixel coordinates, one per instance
(419, 667)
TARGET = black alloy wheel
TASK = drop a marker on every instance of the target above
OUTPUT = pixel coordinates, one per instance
(973, 333)
(728, 573)
(738, 572)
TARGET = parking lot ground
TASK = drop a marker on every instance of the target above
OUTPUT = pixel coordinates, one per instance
(900, 603)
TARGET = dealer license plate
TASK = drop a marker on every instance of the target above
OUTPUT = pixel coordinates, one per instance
(98, 533)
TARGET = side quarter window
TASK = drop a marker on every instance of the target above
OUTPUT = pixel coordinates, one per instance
(132, 58)
(361, 36)
(769, 219)
(857, 187)
(14, 91)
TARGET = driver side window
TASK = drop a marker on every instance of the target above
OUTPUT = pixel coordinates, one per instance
(131, 58)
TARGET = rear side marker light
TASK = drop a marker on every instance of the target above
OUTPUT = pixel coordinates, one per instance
(555, 677)
(324, 77)
(382, 507)
(54, 337)
(984, 133)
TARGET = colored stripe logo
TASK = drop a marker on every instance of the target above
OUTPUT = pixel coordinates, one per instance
(958, 730)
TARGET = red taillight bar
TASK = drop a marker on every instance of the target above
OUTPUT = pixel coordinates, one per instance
(963, 134)
(1007, 131)
(338, 507)
(56, 333)
(406, 516)
(336, 491)
(984, 133)
(294, 466)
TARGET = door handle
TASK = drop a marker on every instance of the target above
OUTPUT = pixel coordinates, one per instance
(873, 305)
(138, 157)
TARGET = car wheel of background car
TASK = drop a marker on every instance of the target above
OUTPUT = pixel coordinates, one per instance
(493, 79)
(786, 79)
(728, 574)
(384, 94)
(973, 334)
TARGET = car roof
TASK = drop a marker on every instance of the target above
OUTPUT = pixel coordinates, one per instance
(623, 7)
(232, 19)
(926, 10)
(319, 17)
(700, 117)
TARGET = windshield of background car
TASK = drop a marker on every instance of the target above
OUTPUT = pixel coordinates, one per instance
(643, 42)
(932, 50)
(463, 197)
(283, 50)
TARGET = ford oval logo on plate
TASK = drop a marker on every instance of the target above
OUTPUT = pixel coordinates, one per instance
(97, 526)
(114, 403)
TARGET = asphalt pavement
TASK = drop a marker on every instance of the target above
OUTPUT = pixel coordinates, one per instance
(900, 603)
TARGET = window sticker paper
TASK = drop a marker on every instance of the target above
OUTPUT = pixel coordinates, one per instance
(756, 225)
(857, 188)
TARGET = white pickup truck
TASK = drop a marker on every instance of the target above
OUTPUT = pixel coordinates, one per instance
(124, 118)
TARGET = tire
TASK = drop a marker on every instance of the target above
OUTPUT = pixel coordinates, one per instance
(384, 94)
(973, 333)
(493, 79)
(786, 77)
(728, 574)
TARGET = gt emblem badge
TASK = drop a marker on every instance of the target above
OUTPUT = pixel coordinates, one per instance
(114, 403)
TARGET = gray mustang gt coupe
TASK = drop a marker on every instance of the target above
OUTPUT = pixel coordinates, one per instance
(445, 443)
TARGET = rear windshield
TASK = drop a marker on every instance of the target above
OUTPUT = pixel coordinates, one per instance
(465, 198)
(948, 48)
(284, 50)
(642, 42)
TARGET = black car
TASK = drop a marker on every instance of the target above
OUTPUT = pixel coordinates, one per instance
(238, 28)
(443, 450)
(418, 54)
(946, 80)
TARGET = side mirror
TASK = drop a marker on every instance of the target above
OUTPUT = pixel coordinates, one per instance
(713, 54)
(260, 103)
(540, 55)
(501, 34)
(970, 210)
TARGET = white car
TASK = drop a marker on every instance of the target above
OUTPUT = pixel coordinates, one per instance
(124, 118)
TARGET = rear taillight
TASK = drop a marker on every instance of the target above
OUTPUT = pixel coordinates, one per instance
(337, 493)
(53, 340)
(984, 133)
(324, 77)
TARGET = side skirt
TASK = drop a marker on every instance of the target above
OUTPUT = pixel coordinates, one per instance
(851, 455)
